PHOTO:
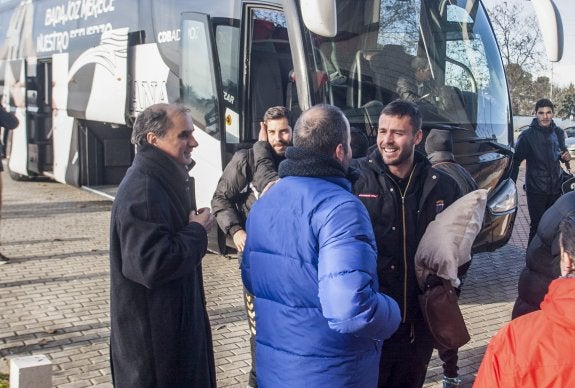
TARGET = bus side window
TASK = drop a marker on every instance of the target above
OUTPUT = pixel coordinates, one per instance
(270, 65)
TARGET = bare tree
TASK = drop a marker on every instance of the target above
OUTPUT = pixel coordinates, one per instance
(522, 52)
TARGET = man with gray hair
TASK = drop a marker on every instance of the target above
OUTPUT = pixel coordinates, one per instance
(310, 261)
(160, 332)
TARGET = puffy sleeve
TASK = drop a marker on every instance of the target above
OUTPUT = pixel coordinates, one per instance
(347, 273)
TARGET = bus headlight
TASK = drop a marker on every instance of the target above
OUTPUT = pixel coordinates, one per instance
(505, 200)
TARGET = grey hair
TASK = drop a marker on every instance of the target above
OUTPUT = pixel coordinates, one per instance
(321, 129)
(156, 119)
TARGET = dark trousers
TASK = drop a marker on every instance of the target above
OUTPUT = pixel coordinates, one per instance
(449, 358)
(405, 356)
(537, 204)
(249, 300)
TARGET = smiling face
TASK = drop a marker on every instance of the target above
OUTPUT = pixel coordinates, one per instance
(544, 116)
(178, 141)
(396, 141)
(279, 134)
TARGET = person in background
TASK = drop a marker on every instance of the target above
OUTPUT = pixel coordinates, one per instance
(419, 87)
(402, 194)
(8, 121)
(439, 149)
(238, 189)
(160, 332)
(536, 349)
(542, 146)
(542, 258)
(309, 260)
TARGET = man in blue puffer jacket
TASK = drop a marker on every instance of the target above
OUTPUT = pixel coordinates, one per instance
(310, 260)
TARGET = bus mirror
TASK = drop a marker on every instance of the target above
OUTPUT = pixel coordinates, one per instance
(551, 28)
(320, 16)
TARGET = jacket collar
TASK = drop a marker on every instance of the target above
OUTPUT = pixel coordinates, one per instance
(550, 128)
(161, 164)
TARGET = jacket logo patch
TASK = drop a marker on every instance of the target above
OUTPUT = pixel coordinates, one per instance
(368, 195)
(439, 205)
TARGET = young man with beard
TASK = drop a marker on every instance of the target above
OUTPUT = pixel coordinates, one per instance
(237, 191)
(402, 194)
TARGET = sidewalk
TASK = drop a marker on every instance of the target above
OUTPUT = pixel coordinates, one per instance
(54, 296)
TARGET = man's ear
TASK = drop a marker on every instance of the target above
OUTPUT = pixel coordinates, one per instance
(339, 153)
(418, 136)
(151, 138)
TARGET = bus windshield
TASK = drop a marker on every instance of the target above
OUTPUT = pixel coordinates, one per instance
(439, 54)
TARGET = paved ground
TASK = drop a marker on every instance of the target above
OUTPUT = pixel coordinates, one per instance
(54, 293)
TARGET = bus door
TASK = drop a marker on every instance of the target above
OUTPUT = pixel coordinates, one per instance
(15, 99)
(201, 92)
(39, 116)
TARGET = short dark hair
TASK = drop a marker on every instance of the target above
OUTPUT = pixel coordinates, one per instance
(156, 119)
(567, 235)
(321, 129)
(276, 113)
(401, 108)
(544, 103)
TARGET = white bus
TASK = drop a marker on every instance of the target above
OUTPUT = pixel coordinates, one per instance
(78, 72)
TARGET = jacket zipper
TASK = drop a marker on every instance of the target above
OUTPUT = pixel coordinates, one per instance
(404, 241)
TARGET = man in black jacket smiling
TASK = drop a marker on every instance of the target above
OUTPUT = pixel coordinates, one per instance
(542, 145)
(402, 194)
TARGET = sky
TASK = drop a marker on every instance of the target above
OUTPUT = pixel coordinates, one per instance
(563, 72)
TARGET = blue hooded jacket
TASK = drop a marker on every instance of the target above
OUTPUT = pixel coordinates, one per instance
(310, 261)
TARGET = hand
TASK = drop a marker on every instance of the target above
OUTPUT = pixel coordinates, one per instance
(240, 240)
(203, 217)
(566, 156)
(263, 135)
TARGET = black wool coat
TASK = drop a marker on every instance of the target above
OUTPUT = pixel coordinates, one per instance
(160, 332)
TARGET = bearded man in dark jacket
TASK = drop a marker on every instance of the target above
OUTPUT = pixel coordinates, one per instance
(542, 145)
(160, 332)
(240, 186)
(402, 194)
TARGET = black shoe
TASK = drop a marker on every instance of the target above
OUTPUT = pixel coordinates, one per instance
(4, 259)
